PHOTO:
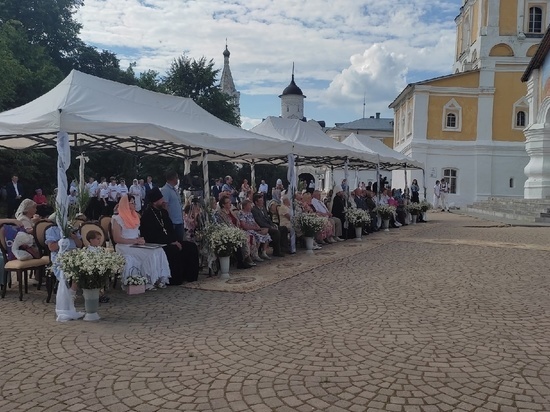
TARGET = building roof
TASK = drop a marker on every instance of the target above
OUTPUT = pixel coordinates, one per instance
(292, 88)
(539, 57)
(421, 82)
(367, 123)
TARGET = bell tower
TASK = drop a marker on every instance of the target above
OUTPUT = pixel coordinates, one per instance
(226, 83)
(292, 101)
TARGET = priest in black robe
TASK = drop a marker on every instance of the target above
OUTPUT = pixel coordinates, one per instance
(156, 227)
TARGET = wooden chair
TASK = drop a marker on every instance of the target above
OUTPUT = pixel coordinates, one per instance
(105, 222)
(40, 229)
(88, 227)
(20, 267)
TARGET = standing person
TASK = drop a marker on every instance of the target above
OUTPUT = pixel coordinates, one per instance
(230, 190)
(122, 188)
(156, 227)
(311, 186)
(135, 190)
(245, 190)
(113, 195)
(216, 189)
(277, 191)
(173, 201)
(437, 194)
(263, 189)
(444, 190)
(93, 210)
(14, 192)
(149, 185)
(143, 192)
(415, 190)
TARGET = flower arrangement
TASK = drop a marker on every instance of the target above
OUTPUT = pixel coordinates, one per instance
(90, 269)
(357, 217)
(224, 240)
(309, 223)
(414, 208)
(135, 280)
(425, 206)
(385, 211)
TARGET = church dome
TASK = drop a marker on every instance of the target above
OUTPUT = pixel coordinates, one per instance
(226, 52)
(292, 88)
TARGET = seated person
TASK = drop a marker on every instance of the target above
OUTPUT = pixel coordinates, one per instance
(26, 214)
(42, 207)
(152, 263)
(322, 210)
(279, 234)
(284, 212)
(191, 218)
(225, 216)
(156, 227)
(325, 235)
(261, 235)
(53, 235)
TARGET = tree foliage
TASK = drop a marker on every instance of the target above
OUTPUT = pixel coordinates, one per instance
(197, 79)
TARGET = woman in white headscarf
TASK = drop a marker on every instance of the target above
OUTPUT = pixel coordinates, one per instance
(26, 214)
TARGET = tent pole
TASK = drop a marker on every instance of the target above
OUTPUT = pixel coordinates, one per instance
(291, 177)
(378, 179)
(253, 176)
(424, 182)
(406, 185)
(206, 179)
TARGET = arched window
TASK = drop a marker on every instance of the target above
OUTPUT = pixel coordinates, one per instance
(520, 119)
(451, 121)
(535, 20)
(511, 183)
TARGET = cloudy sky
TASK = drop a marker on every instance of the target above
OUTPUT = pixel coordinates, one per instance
(343, 50)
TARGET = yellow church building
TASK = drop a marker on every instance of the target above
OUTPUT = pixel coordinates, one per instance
(468, 126)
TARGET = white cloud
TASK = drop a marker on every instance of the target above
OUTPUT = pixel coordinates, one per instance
(248, 122)
(347, 44)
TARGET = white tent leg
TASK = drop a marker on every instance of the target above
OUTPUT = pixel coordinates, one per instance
(291, 177)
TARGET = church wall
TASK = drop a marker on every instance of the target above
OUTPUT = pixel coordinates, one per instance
(469, 118)
(508, 17)
(470, 80)
(475, 22)
(508, 90)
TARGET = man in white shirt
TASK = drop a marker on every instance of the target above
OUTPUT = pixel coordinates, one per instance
(437, 194)
(322, 210)
(263, 188)
(122, 188)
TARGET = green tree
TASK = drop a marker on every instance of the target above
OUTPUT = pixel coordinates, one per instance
(197, 79)
(26, 71)
(48, 23)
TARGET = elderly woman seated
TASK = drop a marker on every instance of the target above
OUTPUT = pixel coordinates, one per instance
(259, 235)
(327, 233)
(224, 216)
(26, 214)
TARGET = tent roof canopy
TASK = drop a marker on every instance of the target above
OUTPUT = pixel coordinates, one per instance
(311, 145)
(389, 159)
(102, 114)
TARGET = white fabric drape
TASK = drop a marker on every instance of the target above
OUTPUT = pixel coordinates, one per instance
(291, 177)
(424, 182)
(64, 304)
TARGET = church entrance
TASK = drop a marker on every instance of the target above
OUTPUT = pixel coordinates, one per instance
(306, 181)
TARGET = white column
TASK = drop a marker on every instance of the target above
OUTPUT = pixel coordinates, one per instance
(537, 170)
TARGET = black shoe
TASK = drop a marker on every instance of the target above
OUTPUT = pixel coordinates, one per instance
(244, 265)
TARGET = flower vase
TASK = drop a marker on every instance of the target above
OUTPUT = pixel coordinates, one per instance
(224, 266)
(358, 233)
(425, 216)
(91, 303)
(414, 218)
(386, 225)
(135, 289)
(309, 245)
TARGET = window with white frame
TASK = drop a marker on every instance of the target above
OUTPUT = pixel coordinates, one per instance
(451, 176)
(535, 20)
(520, 114)
(452, 116)
(409, 122)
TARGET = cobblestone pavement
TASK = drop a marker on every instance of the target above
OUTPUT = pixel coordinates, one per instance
(453, 315)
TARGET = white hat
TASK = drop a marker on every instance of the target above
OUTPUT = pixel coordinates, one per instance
(279, 182)
(338, 189)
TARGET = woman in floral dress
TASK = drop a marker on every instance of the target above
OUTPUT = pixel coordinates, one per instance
(259, 234)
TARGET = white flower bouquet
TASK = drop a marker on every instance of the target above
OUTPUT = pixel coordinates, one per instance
(414, 208)
(425, 206)
(309, 223)
(90, 268)
(224, 240)
(135, 280)
(385, 211)
(357, 217)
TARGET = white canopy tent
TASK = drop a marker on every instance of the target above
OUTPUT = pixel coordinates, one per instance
(102, 114)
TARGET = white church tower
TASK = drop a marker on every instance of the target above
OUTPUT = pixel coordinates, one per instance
(292, 101)
(227, 85)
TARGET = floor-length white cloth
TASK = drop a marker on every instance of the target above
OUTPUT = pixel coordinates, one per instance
(150, 263)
